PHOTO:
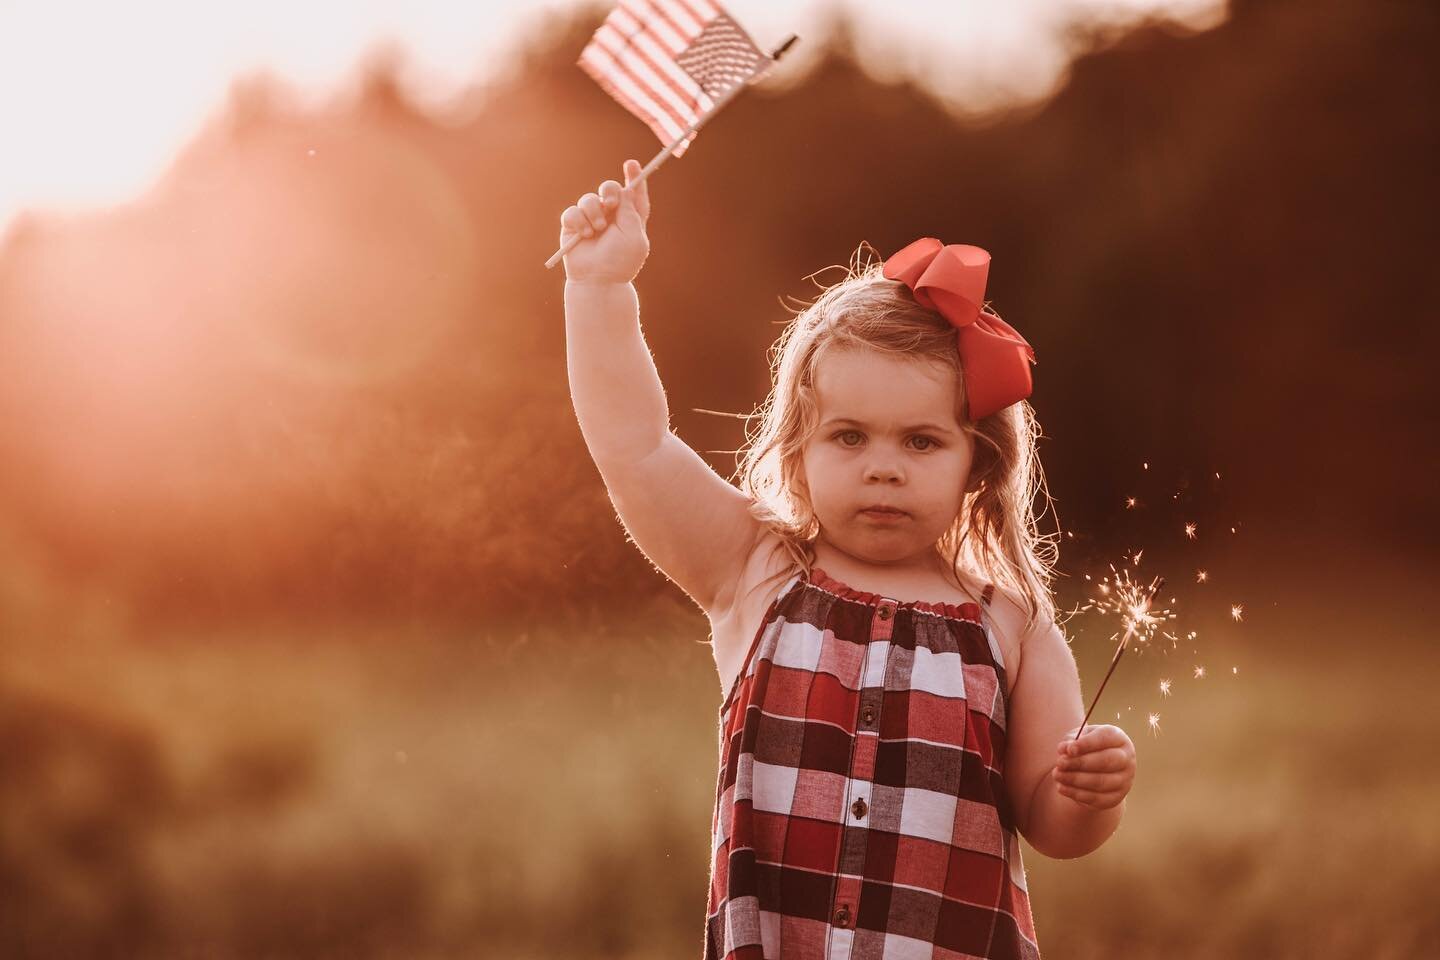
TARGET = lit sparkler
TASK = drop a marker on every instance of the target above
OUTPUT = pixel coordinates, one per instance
(1132, 602)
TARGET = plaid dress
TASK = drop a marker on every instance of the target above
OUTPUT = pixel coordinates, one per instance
(860, 808)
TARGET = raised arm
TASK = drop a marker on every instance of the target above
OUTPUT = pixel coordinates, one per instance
(687, 520)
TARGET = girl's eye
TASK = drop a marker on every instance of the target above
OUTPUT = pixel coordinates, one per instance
(930, 443)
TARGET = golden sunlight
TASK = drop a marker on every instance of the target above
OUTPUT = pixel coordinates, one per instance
(99, 98)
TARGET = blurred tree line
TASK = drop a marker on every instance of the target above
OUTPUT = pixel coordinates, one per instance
(353, 396)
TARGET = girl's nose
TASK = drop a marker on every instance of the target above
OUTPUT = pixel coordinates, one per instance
(882, 471)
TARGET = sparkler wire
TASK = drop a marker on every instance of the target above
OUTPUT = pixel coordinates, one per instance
(1124, 642)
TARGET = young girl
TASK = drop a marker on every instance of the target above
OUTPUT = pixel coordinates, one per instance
(887, 729)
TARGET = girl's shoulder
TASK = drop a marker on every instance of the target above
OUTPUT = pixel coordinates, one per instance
(1007, 617)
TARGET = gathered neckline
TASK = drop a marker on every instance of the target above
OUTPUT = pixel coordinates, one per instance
(969, 610)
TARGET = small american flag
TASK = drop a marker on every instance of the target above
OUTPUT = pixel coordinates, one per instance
(670, 61)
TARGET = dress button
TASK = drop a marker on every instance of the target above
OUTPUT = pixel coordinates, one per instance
(842, 916)
(885, 612)
(868, 716)
(858, 808)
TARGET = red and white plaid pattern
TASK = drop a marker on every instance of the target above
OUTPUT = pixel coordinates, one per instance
(860, 809)
(669, 61)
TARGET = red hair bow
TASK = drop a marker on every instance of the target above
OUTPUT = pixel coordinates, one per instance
(950, 278)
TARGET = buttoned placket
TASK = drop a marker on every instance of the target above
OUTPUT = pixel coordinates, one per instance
(846, 906)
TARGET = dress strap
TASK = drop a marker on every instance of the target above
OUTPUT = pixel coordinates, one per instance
(987, 593)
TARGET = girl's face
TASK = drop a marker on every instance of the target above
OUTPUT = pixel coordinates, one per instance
(888, 435)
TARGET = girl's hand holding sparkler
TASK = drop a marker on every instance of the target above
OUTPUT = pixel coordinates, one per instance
(613, 225)
(1096, 769)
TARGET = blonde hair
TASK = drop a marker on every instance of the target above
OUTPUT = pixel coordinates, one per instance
(995, 532)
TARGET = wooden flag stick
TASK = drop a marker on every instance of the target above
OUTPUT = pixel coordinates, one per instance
(666, 152)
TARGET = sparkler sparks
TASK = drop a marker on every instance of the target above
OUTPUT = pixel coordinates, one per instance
(1132, 602)
(1142, 612)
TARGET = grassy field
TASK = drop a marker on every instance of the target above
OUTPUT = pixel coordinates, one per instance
(374, 792)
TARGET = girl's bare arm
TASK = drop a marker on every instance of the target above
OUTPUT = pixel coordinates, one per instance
(691, 523)
(1045, 711)
(614, 385)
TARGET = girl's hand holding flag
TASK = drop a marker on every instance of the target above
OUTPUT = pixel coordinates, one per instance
(616, 254)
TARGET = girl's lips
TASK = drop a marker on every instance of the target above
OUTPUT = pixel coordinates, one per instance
(883, 514)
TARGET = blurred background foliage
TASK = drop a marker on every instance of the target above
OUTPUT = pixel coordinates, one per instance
(318, 634)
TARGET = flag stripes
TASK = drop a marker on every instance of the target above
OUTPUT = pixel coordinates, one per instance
(669, 61)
